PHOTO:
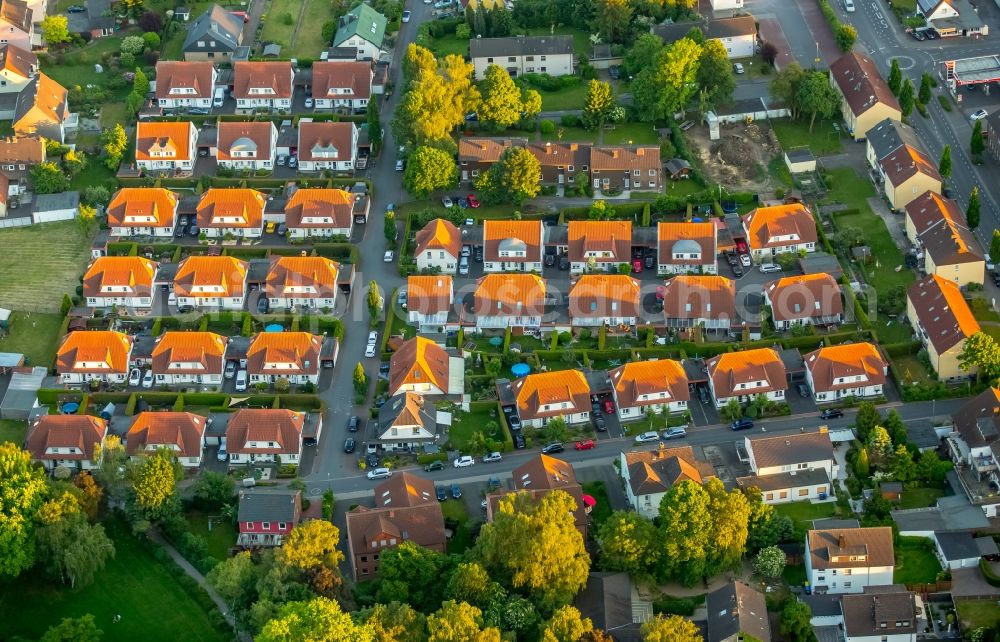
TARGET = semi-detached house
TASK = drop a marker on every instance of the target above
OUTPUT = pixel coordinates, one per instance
(518, 55)
(737, 34)
(515, 301)
(806, 299)
(308, 282)
(264, 436)
(284, 355)
(477, 155)
(263, 85)
(848, 370)
(937, 226)
(865, 97)
(143, 211)
(599, 246)
(183, 433)
(649, 474)
(246, 146)
(322, 212)
(900, 163)
(125, 281)
(942, 320)
(68, 441)
(429, 301)
(745, 375)
(185, 84)
(162, 146)
(327, 146)
(420, 366)
(776, 229)
(791, 468)
(231, 211)
(215, 282)
(94, 355)
(546, 395)
(649, 386)
(846, 560)
(604, 299)
(341, 84)
(706, 301)
(180, 358)
(880, 614)
(687, 248)
(512, 246)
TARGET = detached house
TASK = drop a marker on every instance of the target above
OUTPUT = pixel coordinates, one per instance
(267, 516)
(185, 84)
(407, 421)
(246, 146)
(807, 299)
(935, 224)
(599, 245)
(119, 281)
(163, 146)
(900, 162)
(777, 229)
(288, 355)
(791, 468)
(626, 167)
(429, 300)
(865, 97)
(42, 108)
(320, 212)
(737, 34)
(686, 248)
(737, 611)
(649, 386)
(538, 477)
(884, 613)
(438, 246)
(214, 35)
(231, 211)
(604, 299)
(143, 211)
(545, 395)
(476, 155)
(519, 55)
(846, 560)
(362, 28)
(406, 510)
(211, 282)
(327, 146)
(340, 84)
(183, 433)
(17, 25)
(264, 436)
(515, 301)
(70, 441)
(953, 17)
(512, 246)
(305, 281)
(649, 474)
(745, 375)
(94, 355)
(855, 370)
(17, 68)
(942, 320)
(707, 301)
(263, 85)
(974, 447)
(420, 366)
(181, 358)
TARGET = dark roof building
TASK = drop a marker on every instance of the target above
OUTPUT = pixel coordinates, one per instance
(735, 610)
(521, 46)
(216, 31)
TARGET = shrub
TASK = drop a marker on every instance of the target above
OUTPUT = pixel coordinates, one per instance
(547, 127)
(151, 39)
(570, 120)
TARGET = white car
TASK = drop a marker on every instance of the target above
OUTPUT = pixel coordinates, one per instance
(399, 165)
(492, 457)
(406, 16)
(647, 437)
(738, 67)
(745, 260)
(447, 202)
(223, 455)
(370, 350)
(464, 461)
(147, 379)
(389, 255)
(379, 473)
(979, 114)
(309, 102)
(767, 268)
(373, 337)
(135, 377)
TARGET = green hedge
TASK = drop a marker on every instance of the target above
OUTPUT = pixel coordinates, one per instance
(486, 406)
(903, 349)
(991, 578)
(215, 400)
(343, 252)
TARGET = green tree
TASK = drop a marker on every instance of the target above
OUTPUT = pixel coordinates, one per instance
(816, 97)
(894, 425)
(642, 54)
(613, 19)
(715, 73)
(730, 514)
(234, 579)
(995, 247)
(862, 469)
(318, 620)
(389, 226)
(90, 495)
(903, 467)
(374, 300)
(436, 102)
(310, 544)
(981, 354)
(770, 563)
(417, 63)
(867, 418)
(74, 629)
(74, 162)
(629, 543)
(55, 30)
(668, 84)
(47, 178)
(470, 582)
(686, 531)
(501, 104)
(22, 493)
(114, 142)
(360, 380)
(514, 178)
(531, 103)
(535, 547)
(976, 144)
(600, 211)
(567, 624)
(944, 163)
(72, 549)
(599, 104)
(795, 622)
(926, 85)
(846, 35)
(153, 481)
(931, 469)
(732, 410)
(429, 169)
(214, 489)
(786, 83)
(395, 622)
(412, 574)
(672, 628)
(972, 209)
(879, 447)
(646, 215)
(895, 80)
(113, 468)
(374, 121)
(459, 622)
(140, 84)
(906, 98)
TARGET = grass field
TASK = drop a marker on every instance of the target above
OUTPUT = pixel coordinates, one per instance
(570, 134)
(219, 539)
(910, 368)
(279, 23)
(40, 263)
(78, 65)
(152, 604)
(634, 133)
(822, 140)
(449, 45)
(806, 512)
(920, 497)
(977, 613)
(466, 424)
(35, 335)
(572, 97)
(309, 42)
(12, 431)
(915, 561)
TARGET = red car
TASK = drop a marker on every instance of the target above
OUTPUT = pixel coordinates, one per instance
(609, 407)
(636, 266)
(586, 445)
(473, 201)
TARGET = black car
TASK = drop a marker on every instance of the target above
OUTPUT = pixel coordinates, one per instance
(703, 394)
(514, 422)
(947, 192)
(434, 465)
(595, 407)
(615, 72)
(309, 441)
(477, 254)
(600, 425)
(650, 261)
(803, 390)
(441, 492)
(262, 305)
(832, 413)
(550, 260)
(931, 33)
(731, 258)
(518, 440)
(456, 491)
(193, 231)
(349, 445)
(741, 424)
(352, 423)
(180, 231)
(918, 35)
(551, 449)
(737, 270)
(563, 262)
(372, 460)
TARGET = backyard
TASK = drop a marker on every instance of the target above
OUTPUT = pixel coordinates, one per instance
(920, 497)
(568, 98)
(602, 509)
(35, 335)
(823, 140)
(805, 512)
(974, 614)
(466, 424)
(454, 510)
(47, 260)
(220, 537)
(151, 602)
(12, 431)
(915, 561)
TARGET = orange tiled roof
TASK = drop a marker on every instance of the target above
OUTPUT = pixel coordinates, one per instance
(439, 234)
(134, 272)
(905, 163)
(331, 75)
(419, 361)
(284, 353)
(178, 74)
(155, 140)
(486, 150)
(940, 228)
(846, 360)
(82, 432)
(290, 274)
(605, 158)
(804, 296)
(282, 427)
(17, 60)
(687, 238)
(731, 369)
(142, 207)
(637, 378)
(103, 351)
(510, 294)
(50, 101)
(510, 236)
(198, 275)
(206, 349)
(606, 241)
(274, 75)
(184, 430)
(546, 388)
(604, 295)
(319, 207)
(942, 311)
(699, 297)
(232, 207)
(766, 223)
(429, 294)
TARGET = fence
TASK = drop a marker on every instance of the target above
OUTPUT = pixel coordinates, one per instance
(21, 221)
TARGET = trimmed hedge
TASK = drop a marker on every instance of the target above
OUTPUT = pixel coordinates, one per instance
(485, 406)
(991, 578)
(292, 401)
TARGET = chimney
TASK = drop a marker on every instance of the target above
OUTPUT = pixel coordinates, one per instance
(574, 146)
(842, 541)
(615, 153)
(640, 152)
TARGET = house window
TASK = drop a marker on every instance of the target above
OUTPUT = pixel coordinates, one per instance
(266, 526)
(489, 60)
(803, 492)
(511, 59)
(637, 172)
(282, 526)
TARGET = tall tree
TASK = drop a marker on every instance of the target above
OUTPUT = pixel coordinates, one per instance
(429, 169)
(74, 629)
(360, 380)
(514, 178)
(715, 73)
(501, 103)
(795, 622)
(536, 547)
(786, 83)
(669, 83)
(90, 495)
(318, 620)
(22, 493)
(879, 447)
(567, 624)
(867, 418)
(72, 549)
(976, 144)
(981, 354)
(374, 300)
(436, 102)
(906, 98)
(470, 582)
(862, 468)
(459, 622)
(48, 178)
(55, 30)
(628, 542)
(418, 62)
(395, 622)
(816, 97)
(642, 54)
(895, 80)
(613, 19)
(412, 574)
(114, 142)
(995, 247)
(599, 104)
(234, 580)
(903, 468)
(944, 163)
(972, 209)
(310, 544)
(374, 120)
(730, 513)
(926, 85)
(686, 532)
(894, 425)
(153, 481)
(672, 628)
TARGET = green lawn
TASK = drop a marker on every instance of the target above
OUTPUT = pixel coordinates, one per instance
(978, 613)
(12, 431)
(982, 310)
(602, 510)
(279, 23)
(220, 538)
(794, 575)
(822, 140)
(466, 424)
(915, 561)
(309, 42)
(581, 39)
(911, 370)
(806, 512)
(570, 135)
(683, 188)
(450, 45)
(920, 497)
(572, 97)
(78, 65)
(97, 173)
(892, 331)
(48, 261)
(152, 604)
(454, 509)
(634, 133)
(35, 335)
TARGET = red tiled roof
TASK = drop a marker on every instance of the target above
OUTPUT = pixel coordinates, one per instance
(804, 296)
(255, 137)
(828, 364)
(686, 238)
(259, 75)
(765, 224)
(329, 76)
(419, 361)
(699, 297)
(177, 74)
(727, 371)
(82, 432)
(554, 387)
(184, 430)
(604, 295)
(282, 427)
(439, 234)
(227, 207)
(512, 236)
(163, 141)
(861, 84)
(284, 353)
(942, 311)
(196, 274)
(510, 294)
(429, 295)
(636, 379)
(319, 207)
(604, 241)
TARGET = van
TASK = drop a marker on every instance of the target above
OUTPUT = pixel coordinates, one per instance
(220, 95)
(241, 381)
(849, 6)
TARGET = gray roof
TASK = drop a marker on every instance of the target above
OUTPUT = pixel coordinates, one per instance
(817, 262)
(268, 505)
(957, 545)
(788, 450)
(737, 608)
(781, 481)
(521, 46)
(889, 135)
(830, 524)
(800, 155)
(607, 600)
(675, 165)
(949, 514)
(733, 27)
(822, 605)
(987, 546)
(53, 202)
(828, 633)
(217, 25)
(388, 414)
(22, 391)
(892, 612)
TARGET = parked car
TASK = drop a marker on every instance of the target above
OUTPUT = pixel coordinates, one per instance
(473, 201)
(194, 231)
(463, 266)
(370, 350)
(406, 16)
(553, 448)
(595, 407)
(831, 413)
(731, 258)
(745, 260)
(434, 465)
(979, 114)
(609, 407)
(600, 425)
(647, 437)
(803, 390)
(441, 492)
(282, 160)
(293, 161)
(586, 444)
(135, 377)
(703, 394)
(466, 251)
(447, 202)
(262, 305)
(456, 491)
(464, 461)
(372, 459)
(918, 35)
(230, 371)
(388, 256)
(768, 268)
(399, 165)
(518, 441)
(738, 270)
(477, 254)
(282, 229)
(564, 262)
(550, 260)
(741, 424)
(197, 111)
(636, 266)
(462, 202)
(241, 381)
(379, 473)
(222, 454)
(738, 67)
(615, 71)
(309, 102)
(514, 422)
(931, 33)
(75, 8)
(309, 441)
(147, 379)
(729, 207)
(675, 433)
(350, 445)
(650, 261)
(492, 457)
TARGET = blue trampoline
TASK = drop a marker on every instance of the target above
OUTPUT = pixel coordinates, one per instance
(520, 369)
(70, 407)
(274, 327)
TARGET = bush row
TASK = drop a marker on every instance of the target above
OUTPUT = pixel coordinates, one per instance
(292, 401)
